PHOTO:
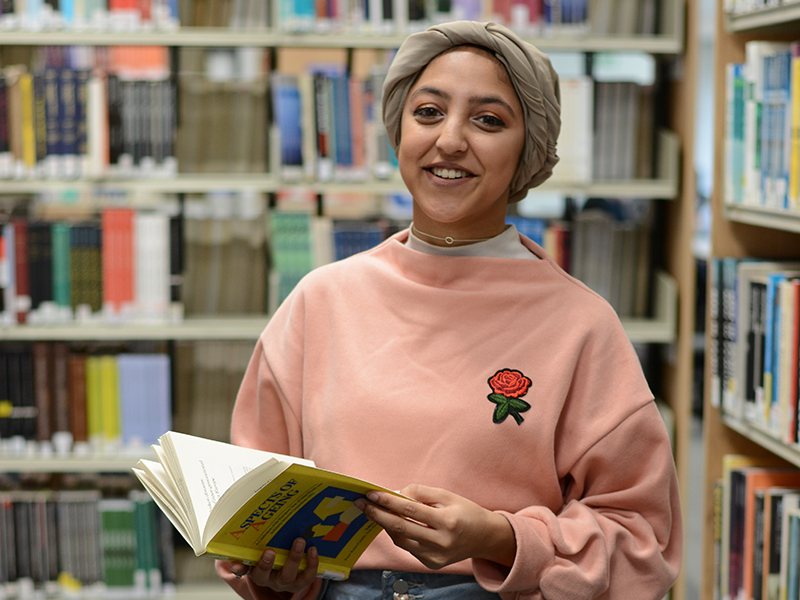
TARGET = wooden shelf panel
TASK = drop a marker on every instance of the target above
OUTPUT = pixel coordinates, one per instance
(783, 17)
(219, 36)
(771, 218)
(764, 439)
(73, 463)
(187, 184)
(219, 328)
(660, 329)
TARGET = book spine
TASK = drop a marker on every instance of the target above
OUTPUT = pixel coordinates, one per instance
(21, 270)
(794, 130)
(43, 389)
(68, 123)
(76, 373)
(60, 236)
(28, 122)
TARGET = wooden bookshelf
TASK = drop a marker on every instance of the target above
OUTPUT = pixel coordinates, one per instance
(670, 43)
(741, 231)
(673, 317)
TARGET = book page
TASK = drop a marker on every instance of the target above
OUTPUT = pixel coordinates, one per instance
(205, 469)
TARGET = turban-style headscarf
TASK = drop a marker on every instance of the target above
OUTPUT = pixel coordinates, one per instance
(531, 73)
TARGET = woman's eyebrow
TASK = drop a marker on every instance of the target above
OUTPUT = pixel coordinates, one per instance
(474, 101)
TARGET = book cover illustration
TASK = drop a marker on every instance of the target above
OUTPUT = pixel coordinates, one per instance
(303, 502)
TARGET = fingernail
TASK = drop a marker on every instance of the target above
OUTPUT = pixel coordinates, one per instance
(298, 545)
(360, 504)
(373, 496)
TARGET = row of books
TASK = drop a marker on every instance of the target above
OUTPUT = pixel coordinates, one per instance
(529, 17)
(69, 401)
(328, 127)
(755, 343)
(89, 15)
(610, 251)
(756, 530)
(75, 542)
(123, 266)
(224, 111)
(113, 112)
(66, 399)
(762, 130)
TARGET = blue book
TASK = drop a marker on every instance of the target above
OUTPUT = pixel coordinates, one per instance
(343, 156)
(145, 397)
(288, 116)
(530, 228)
(68, 111)
(52, 112)
(771, 339)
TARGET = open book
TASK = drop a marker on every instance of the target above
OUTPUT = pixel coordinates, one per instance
(232, 502)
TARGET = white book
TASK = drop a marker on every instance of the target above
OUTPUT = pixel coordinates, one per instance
(575, 141)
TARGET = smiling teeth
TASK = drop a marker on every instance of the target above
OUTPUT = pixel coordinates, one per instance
(449, 173)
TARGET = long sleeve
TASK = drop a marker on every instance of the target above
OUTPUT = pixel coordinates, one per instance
(618, 534)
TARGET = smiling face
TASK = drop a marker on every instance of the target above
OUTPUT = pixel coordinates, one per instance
(461, 136)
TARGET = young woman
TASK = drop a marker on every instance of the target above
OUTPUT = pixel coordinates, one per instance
(457, 363)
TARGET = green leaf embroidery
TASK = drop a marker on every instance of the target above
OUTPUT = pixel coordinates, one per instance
(508, 406)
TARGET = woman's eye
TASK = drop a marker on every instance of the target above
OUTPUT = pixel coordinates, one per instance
(491, 121)
(426, 112)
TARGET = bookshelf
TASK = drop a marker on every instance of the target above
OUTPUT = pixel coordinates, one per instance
(672, 322)
(741, 231)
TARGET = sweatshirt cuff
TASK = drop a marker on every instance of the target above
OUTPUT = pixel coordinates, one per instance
(534, 554)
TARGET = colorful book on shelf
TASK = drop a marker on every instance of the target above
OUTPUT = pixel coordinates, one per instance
(733, 523)
(794, 129)
(758, 479)
(776, 502)
(261, 500)
(145, 395)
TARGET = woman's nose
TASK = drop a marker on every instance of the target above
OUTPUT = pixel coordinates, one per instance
(452, 138)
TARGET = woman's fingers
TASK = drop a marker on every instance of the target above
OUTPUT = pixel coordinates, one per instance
(290, 577)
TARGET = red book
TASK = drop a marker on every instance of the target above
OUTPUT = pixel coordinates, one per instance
(794, 374)
(22, 270)
(118, 257)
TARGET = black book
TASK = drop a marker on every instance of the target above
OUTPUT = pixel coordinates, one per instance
(40, 256)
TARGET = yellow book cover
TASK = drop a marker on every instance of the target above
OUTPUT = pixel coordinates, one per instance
(233, 503)
(110, 407)
(28, 120)
(94, 410)
(794, 130)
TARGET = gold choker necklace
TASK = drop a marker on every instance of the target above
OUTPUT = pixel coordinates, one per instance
(447, 240)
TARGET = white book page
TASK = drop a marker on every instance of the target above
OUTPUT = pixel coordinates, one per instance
(167, 503)
(205, 469)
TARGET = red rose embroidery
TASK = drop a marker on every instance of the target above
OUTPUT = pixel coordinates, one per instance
(509, 383)
(507, 387)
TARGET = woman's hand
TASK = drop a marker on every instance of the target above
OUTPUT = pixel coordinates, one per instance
(289, 578)
(441, 528)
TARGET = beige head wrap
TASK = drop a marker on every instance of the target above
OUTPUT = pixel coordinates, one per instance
(532, 75)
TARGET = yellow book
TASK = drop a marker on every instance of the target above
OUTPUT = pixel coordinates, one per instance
(28, 120)
(794, 131)
(232, 503)
(94, 410)
(109, 385)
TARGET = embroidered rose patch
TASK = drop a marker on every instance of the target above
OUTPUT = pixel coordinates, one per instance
(507, 387)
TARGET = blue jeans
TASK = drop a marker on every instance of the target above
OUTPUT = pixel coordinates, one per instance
(381, 585)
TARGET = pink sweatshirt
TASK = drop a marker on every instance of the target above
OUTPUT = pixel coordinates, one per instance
(394, 366)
